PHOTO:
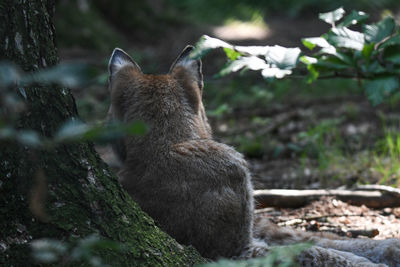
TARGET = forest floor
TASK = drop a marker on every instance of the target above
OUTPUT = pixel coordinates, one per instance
(303, 136)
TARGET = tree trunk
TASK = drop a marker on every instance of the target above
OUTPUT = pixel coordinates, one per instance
(68, 192)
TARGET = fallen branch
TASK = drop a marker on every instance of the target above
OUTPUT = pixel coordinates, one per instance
(382, 188)
(367, 232)
(288, 198)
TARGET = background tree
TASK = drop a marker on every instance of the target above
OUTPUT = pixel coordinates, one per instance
(65, 192)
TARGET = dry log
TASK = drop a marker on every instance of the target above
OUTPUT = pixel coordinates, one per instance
(288, 198)
(383, 188)
(367, 232)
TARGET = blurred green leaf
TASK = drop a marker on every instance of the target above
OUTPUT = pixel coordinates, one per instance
(48, 250)
(331, 62)
(136, 128)
(7, 132)
(355, 17)
(25, 137)
(71, 130)
(278, 256)
(313, 73)
(392, 54)
(29, 138)
(231, 54)
(394, 40)
(374, 67)
(367, 50)
(375, 33)
(346, 38)
(75, 130)
(9, 74)
(331, 17)
(379, 88)
(219, 111)
(65, 74)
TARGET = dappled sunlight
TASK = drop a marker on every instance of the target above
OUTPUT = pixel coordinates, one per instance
(241, 30)
(234, 29)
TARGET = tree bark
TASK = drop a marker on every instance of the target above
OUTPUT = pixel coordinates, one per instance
(68, 192)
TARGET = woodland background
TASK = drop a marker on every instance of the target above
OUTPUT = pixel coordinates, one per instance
(295, 135)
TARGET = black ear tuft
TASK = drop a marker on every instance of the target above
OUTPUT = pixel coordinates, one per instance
(192, 66)
(118, 60)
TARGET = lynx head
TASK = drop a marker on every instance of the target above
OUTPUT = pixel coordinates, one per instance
(170, 103)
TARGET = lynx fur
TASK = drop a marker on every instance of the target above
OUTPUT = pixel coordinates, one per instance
(198, 190)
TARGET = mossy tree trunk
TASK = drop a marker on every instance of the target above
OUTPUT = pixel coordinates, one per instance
(68, 192)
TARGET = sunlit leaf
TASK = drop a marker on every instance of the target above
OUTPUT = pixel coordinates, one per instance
(253, 50)
(231, 54)
(308, 60)
(282, 57)
(381, 87)
(355, 17)
(377, 32)
(253, 63)
(331, 17)
(312, 42)
(344, 37)
(205, 45)
(328, 50)
(275, 73)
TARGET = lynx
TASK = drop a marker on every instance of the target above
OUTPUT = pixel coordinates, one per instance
(198, 190)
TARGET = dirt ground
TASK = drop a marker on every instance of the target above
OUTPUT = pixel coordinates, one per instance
(331, 215)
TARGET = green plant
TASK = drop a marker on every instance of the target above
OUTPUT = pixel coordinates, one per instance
(279, 256)
(12, 103)
(322, 142)
(387, 159)
(371, 56)
(80, 251)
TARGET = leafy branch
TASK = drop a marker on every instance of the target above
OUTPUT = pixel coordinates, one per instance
(13, 103)
(371, 55)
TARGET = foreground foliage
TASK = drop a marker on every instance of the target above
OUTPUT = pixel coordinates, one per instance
(372, 55)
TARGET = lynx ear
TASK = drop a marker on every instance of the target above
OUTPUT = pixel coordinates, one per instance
(118, 60)
(191, 66)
